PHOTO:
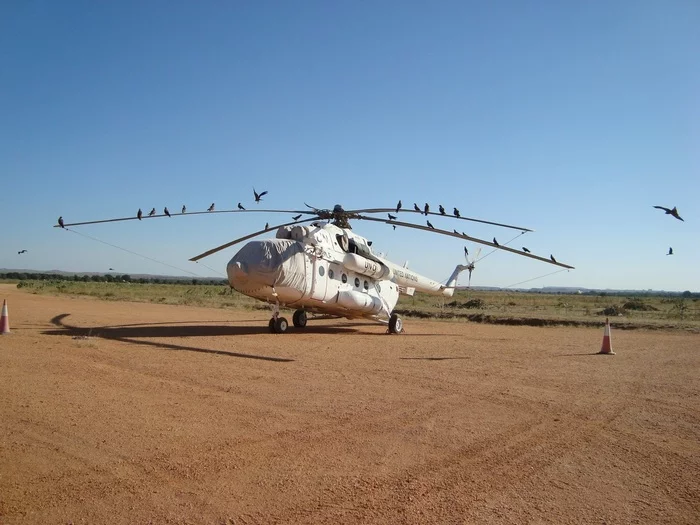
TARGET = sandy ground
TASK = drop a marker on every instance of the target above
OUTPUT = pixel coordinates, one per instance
(172, 414)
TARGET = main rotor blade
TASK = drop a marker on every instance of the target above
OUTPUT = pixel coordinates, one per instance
(460, 236)
(393, 210)
(185, 215)
(245, 238)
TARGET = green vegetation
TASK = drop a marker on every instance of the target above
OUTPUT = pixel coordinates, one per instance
(669, 311)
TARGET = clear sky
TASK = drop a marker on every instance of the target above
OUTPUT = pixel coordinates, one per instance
(570, 118)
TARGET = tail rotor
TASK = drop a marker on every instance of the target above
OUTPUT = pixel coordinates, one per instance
(471, 264)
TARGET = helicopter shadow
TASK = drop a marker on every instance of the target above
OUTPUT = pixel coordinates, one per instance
(131, 333)
(432, 358)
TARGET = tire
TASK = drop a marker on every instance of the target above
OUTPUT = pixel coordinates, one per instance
(395, 324)
(299, 319)
(271, 325)
(281, 325)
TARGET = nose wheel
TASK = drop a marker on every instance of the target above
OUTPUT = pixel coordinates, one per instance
(278, 325)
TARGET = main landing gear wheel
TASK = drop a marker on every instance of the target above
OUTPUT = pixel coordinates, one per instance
(300, 319)
(279, 325)
(271, 325)
(395, 324)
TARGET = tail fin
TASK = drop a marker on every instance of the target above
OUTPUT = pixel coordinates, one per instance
(449, 289)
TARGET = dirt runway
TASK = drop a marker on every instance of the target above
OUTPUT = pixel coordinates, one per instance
(167, 414)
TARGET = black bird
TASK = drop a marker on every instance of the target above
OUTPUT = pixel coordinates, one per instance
(670, 251)
(139, 214)
(21, 252)
(495, 241)
(60, 222)
(442, 210)
(391, 217)
(393, 226)
(152, 212)
(267, 225)
(526, 250)
(465, 234)
(258, 196)
(466, 252)
(673, 211)
(165, 210)
(552, 257)
(398, 207)
(240, 206)
(426, 209)
(296, 217)
(455, 231)
(184, 209)
(430, 225)
(415, 207)
(211, 208)
(111, 269)
(456, 212)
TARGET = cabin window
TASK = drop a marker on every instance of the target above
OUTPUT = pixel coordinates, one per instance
(330, 273)
(357, 282)
(344, 278)
(321, 271)
(366, 285)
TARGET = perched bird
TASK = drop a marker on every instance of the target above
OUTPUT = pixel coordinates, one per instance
(258, 196)
(165, 210)
(415, 207)
(60, 222)
(240, 206)
(211, 208)
(465, 234)
(398, 207)
(391, 217)
(526, 250)
(393, 226)
(21, 252)
(673, 211)
(184, 209)
(455, 212)
(455, 231)
(296, 217)
(267, 225)
(426, 209)
(466, 252)
(430, 225)
(495, 241)
(552, 257)
(139, 214)
(442, 210)
(670, 251)
(152, 212)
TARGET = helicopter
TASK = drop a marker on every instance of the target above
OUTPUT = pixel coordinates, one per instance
(318, 265)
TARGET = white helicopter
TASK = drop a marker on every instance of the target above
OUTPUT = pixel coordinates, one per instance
(325, 268)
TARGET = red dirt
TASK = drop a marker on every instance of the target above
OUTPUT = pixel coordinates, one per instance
(171, 414)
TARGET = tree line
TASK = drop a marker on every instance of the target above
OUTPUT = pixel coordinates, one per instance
(106, 278)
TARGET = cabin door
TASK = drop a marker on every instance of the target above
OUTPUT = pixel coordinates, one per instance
(319, 279)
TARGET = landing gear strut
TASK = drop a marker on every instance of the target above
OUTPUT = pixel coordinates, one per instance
(277, 325)
(395, 324)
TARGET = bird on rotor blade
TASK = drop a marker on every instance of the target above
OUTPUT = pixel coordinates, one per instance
(152, 212)
(258, 196)
(184, 209)
(211, 208)
(60, 222)
(430, 225)
(552, 257)
(296, 217)
(165, 210)
(240, 206)
(391, 217)
(495, 241)
(670, 251)
(455, 212)
(670, 211)
(426, 209)
(398, 207)
(416, 208)
(526, 250)
(442, 210)
(139, 214)
(466, 252)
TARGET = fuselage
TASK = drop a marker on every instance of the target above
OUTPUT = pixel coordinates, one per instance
(324, 269)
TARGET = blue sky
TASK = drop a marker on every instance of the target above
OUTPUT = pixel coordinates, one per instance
(570, 118)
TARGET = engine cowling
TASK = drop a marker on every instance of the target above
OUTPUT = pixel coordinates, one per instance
(367, 267)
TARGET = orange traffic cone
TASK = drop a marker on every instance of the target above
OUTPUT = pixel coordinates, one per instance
(4, 320)
(607, 344)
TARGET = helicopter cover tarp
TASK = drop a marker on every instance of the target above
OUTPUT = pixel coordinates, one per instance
(275, 262)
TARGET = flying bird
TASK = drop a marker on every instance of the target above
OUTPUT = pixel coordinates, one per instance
(258, 196)
(552, 257)
(526, 250)
(495, 241)
(111, 269)
(670, 251)
(673, 211)
(184, 209)
(455, 212)
(415, 207)
(430, 225)
(398, 207)
(426, 209)
(165, 210)
(152, 212)
(393, 226)
(442, 210)
(296, 217)
(21, 252)
(240, 206)
(60, 222)
(391, 217)
(211, 208)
